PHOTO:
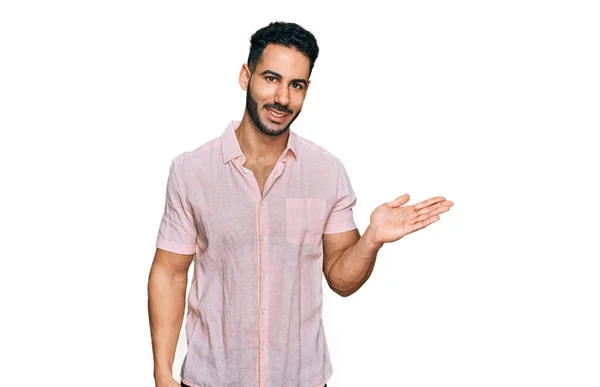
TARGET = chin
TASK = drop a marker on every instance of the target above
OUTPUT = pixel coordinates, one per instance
(275, 129)
(276, 126)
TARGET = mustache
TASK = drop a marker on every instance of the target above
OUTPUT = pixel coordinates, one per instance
(279, 107)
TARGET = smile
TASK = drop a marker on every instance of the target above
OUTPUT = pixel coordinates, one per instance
(276, 115)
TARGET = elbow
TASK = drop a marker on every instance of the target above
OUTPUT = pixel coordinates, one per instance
(343, 293)
(339, 290)
(164, 277)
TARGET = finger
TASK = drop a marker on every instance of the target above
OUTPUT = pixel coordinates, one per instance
(423, 223)
(434, 211)
(431, 209)
(429, 202)
(399, 201)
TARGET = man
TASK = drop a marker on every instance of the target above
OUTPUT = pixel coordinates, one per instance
(263, 213)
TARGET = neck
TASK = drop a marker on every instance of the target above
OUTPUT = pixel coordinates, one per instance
(258, 147)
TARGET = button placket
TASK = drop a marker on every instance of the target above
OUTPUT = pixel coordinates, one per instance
(263, 284)
(242, 161)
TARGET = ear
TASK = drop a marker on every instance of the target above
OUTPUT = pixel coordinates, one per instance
(244, 76)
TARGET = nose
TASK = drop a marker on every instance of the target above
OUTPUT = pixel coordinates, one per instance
(282, 96)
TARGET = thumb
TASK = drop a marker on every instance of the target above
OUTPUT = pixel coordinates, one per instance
(399, 201)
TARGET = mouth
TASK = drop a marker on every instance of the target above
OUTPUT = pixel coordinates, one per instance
(276, 115)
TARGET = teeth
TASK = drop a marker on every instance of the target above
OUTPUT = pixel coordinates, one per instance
(279, 115)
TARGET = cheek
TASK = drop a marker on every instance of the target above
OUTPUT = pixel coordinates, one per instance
(263, 94)
(296, 102)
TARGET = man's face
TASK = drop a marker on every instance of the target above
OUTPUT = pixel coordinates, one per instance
(277, 88)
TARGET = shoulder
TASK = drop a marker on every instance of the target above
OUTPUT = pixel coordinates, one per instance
(204, 155)
(316, 154)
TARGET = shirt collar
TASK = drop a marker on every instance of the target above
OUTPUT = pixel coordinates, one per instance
(231, 147)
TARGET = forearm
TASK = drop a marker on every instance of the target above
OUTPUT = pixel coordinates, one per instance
(354, 267)
(166, 306)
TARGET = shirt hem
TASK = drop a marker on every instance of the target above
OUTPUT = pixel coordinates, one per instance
(178, 248)
(340, 227)
(320, 384)
(326, 378)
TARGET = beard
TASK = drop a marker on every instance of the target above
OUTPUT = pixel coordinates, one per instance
(252, 109)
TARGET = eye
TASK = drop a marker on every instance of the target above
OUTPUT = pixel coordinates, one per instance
(271, 78)
(297, 86)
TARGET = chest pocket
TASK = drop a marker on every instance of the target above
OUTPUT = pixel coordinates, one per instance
(305, 219)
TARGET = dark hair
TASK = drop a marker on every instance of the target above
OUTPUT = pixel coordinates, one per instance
(286, 34)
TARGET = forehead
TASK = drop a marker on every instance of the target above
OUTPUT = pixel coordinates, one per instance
(288, 62)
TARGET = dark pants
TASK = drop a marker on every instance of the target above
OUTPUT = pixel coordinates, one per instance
(185, 385)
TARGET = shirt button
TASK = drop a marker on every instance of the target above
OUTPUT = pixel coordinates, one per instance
(264, 238)
(262, 347)
(245, 170)
(264, 311)
(264, 275)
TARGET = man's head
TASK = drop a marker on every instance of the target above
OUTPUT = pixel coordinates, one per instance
(276, 77)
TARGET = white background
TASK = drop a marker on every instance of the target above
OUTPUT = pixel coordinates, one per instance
(493, 105)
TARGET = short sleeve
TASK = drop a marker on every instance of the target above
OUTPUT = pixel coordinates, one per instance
(341, 217)
(177, 232)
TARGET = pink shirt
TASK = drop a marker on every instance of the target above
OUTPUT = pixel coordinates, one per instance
(255, 303)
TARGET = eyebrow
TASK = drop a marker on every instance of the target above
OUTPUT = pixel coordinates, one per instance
(297, 80)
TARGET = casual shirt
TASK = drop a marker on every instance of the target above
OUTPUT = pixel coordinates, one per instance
(255, 302)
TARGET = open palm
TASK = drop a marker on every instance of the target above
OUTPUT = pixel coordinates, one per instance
(391, 221)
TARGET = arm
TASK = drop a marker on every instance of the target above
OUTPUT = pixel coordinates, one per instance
(166, 304)
(348, 260)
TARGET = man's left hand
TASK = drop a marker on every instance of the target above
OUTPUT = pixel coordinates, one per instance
(391, 221)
